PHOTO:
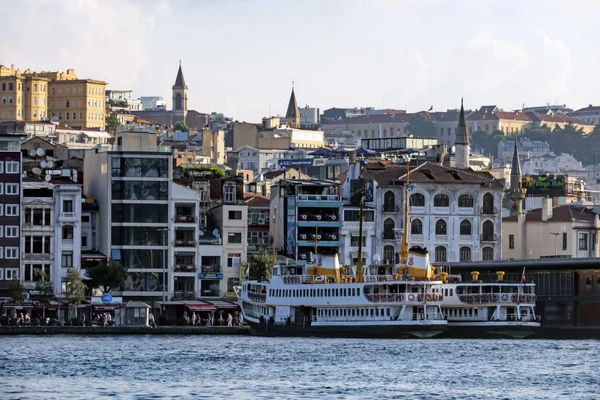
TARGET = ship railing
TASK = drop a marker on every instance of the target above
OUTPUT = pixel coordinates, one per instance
(408, 297)
(394, 278)
(485, 298)
(523, 318)
(257, 297)
(428, 317)
(350, 319)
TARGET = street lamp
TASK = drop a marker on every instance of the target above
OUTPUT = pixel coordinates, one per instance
(163, 231)
(555, 237)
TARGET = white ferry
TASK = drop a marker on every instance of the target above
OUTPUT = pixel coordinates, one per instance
(327, 300)
(489, 309)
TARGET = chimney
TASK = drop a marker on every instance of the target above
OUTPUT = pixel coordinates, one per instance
(546, 208)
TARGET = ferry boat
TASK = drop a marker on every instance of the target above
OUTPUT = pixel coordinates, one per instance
(323, 299)
(479, 309)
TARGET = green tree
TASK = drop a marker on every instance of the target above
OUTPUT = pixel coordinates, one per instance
(107, 276)
(422, 126)
(112, 123)
(259, 266)
(43, 287)
(15, 291)
(75, 288)
(489, 143)
(181, 126)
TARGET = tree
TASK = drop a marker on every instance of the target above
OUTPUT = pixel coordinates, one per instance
(489, 143)
(181, 126)
(260, 266)
(15, 291)
(112, 123)
(43, 287)
(421, 126)
(107, 276)
(75, 288)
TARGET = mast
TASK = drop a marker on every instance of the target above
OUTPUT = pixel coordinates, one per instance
(274, 235)
(404, 244)
(359, 272)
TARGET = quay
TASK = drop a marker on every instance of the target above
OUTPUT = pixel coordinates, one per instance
(124, 330)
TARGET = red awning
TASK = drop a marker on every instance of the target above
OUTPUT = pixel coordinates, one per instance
(201, 307)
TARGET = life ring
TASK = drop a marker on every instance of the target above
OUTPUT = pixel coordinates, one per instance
(333, 217)
(420, 297)
(428, 297)
(303, 216)
(523, 298)
(494, 297)
(318, 217)
(504, 297)
(303, 256)
(303, 236)
(411, 297)
(514, 298)
(529, 298)
(333, 237)
(401, 297)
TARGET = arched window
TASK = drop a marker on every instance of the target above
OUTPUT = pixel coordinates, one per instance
(465, 253)
(488, 231)
(389, 202)
(488, 204)
(441, 227)
(416, 227)
(178, 102)
(487, 254)
(465, 201)
(440, 254)
(388, 229)
(465, 227)
(417, 200)
(441, 200)
(388, 254)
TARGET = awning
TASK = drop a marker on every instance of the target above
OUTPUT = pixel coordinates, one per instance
(223, 304)
(16, 306)
(106, 307)
(136, 304)
(201, 307)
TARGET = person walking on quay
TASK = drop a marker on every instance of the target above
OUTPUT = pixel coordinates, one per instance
(108, 319)
(152, 321)
(229, 319)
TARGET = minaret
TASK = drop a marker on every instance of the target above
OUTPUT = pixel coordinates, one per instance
(516, 193)
(461, 144)
(179, 97)
(292, 115)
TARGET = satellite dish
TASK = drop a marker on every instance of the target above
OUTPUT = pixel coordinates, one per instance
(48, 178)
(32, 153)
(36, 171)
(50, 164)
(201, 232)
(44, 164)
(40, 152)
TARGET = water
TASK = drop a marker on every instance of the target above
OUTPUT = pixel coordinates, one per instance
(234, 367)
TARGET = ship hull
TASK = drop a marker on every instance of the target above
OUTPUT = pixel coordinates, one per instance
(499, 330)
(350, 331)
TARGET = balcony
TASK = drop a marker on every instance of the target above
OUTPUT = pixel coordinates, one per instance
(67, 217)
(489, 238)
(390, 208)
(320, 236)
(211, 269)
(67, 241)
(184, 295)
(184, 268)
(184, 219)
(184, 243)
(318, 200)
(489, 210)
(37, 256)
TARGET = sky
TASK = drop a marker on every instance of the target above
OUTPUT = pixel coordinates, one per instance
(240, 57)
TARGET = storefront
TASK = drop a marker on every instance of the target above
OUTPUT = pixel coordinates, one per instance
(199, 313)
(106, 310)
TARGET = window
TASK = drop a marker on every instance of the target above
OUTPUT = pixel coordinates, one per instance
(583, 241)
(465, 227)
(1, 189)
(465, 253)
(11, 253)
(67, 232)
(441, 200)
(389, 201)
(354, 241)
(12, 167)
(233, 260)
(235, 214)
(440, 254)
(11, 273)
(83, 241)
(11, 231)
(465, 201)
(12, 188)
(12, 210)
(234, 237)
(85, 218)
(388, 254)
(67, 259)
(416, 227)
(353, 215)
(229, 190)
(417, 200)
(388, 229)
(488, 231)
(440, 227)
(1, 167)
(488, 204)
(564, 246)
(487, 254)
(67, 206)
(511, 241)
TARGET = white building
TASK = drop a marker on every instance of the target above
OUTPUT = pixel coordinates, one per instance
(454, 213)
(259, 160)
(550, 164)
(589, 114)
(153, 103)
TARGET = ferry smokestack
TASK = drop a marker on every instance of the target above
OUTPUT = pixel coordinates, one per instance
(475, 275)
(500, 275)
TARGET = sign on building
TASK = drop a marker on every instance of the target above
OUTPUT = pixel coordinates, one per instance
(545, 185)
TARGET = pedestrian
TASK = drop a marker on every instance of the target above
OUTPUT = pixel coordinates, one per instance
(229, 319)
(152, 321)
(108, 318)
(240, 319)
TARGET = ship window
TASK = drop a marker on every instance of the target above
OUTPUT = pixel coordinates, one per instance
(476, 312)
(344, 292)
(358, 291)
(362, 313)
(387, 312)
(451, 290)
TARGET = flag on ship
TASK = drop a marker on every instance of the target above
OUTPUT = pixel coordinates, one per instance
(523, 276)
